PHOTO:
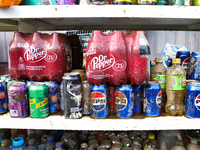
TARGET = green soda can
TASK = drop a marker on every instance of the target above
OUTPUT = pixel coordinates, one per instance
(38, 100)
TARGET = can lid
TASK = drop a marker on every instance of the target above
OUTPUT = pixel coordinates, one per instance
(31, 142)
(159, 59)
(151, 136)
(41, 147)
(50, 139)
(84, 145)
(17, 84)
(70, 75)
(4, 142)
(176, 60)
(38, 83)
(59, 145)
(18, 141)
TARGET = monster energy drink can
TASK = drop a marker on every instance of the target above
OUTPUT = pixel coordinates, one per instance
(38, 99)
(72, 97)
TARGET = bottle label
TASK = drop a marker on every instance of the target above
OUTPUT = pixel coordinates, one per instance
(176, 82)
(130, 1)
(161, 79)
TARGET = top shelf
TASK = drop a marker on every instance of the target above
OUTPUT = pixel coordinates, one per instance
(91, 17)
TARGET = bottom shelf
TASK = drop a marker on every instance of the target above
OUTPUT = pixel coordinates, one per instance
(138, 122)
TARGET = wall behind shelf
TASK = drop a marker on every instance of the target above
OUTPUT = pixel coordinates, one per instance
(156, 39)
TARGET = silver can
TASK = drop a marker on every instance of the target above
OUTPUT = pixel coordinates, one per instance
(86, 97)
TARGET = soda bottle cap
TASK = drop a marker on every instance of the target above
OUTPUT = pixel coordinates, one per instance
(151, 136)
(176, 60)
(19, 141)
(59, 145)
(194, 141)
(50, 139)
(41, 147)
(31, 142)
(159, 59)
(4, 142)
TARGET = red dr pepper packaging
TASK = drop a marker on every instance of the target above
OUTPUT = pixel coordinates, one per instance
(117, 58)
(39, 56)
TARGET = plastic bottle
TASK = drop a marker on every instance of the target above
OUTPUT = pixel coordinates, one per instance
(84, 146)
(101, 136)
(50, 145)
(44, 137)
(193, 145)
(25, 141)
(32, 145)
(179, 146)
(11, 147)
(158, 73)
(151, 143)
(2, 136)
(5, 144)
(34, 135)
(15, 133)
(18, 143)
(175, 88)
(41, 147)
(59, 146)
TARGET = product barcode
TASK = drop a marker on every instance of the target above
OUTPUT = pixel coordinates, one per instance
(174, 82)
(14, 113)
(46, 2)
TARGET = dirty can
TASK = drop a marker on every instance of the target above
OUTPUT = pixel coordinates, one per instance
(111, 98)
(3, 102)
(54, 96)
(138, 103)
(194, 68)
(86, 97)
(18, 101)
(38, 100)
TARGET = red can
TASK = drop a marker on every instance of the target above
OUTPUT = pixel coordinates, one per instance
(112, 99)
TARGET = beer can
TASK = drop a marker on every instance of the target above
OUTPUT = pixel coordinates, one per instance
(54, 96)
(152, 98)
(124, 101)
(194, 68)
(138, 103)
(18, 101)
(3, 102)
(86, 97)
(61, 98)
(99, 101)
(72, 90)
(111, 97)
(81, 72)
(38, 100)
(192, 105)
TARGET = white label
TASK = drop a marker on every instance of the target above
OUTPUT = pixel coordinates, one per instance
(35, 54)
(14, 113)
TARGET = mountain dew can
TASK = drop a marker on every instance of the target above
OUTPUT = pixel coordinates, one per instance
(38, 100)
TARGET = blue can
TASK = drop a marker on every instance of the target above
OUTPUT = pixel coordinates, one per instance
(6, 89)
(99, 101)
(124, 101)
(192, 104)
(61, 98)
(194, 68)
(3, 102)
(138, 101)
(54, 96)
(185, 58)
(152, 98)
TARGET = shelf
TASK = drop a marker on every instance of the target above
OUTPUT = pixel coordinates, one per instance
(58, 122)
(80, 17)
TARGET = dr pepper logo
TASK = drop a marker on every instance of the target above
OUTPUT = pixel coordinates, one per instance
(35, 54)
(120, 100)
(197, 102)
(98, 101)
(158, 99)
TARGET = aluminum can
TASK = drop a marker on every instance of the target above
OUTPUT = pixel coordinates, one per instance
(192, 105)
(18, 101)
(81, 72)
(6, 89)
(3, 102)
(61, 98)
(72, 90)
(11, 81)
(194, 68)
(152, 98)
(138, 103)
(54, 96)
(38, 100)
(99, 101)
(111, 97)
(86, 97)
(124, 101)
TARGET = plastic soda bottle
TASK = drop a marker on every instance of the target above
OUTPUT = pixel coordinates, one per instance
(151, 143)
(41, 147)
(50, 145)
(18, 144)
(59, 146)
(32, 145)
(5, 144)
(175, 88)
(193, 145)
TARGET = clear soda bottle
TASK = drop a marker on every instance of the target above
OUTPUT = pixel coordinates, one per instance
(5, 144)
(41, 147)
(151, 143)
(175, 88)
(59, 146)
(193, 145)
(34, 135)
(18, 143)
(44, 137)
(50, 145)
(32, 145)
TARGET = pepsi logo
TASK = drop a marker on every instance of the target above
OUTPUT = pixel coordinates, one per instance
(197, 102)
(158, 99)
(120, 100)
(98, 101)
(185, 63)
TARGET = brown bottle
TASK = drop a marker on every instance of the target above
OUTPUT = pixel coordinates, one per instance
(158, 73)
(101, 136)
(175, 88)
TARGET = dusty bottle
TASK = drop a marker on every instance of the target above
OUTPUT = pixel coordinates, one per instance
(15, 133)
(50, 145)
(101, 136)
(175, 89)
(84, 146)
(151, 143)
(158, 73)
(59, 146)
(32, 145)
(44, 137)
(4, 144)
(179, 146)
(193, 145)
(34, 135)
